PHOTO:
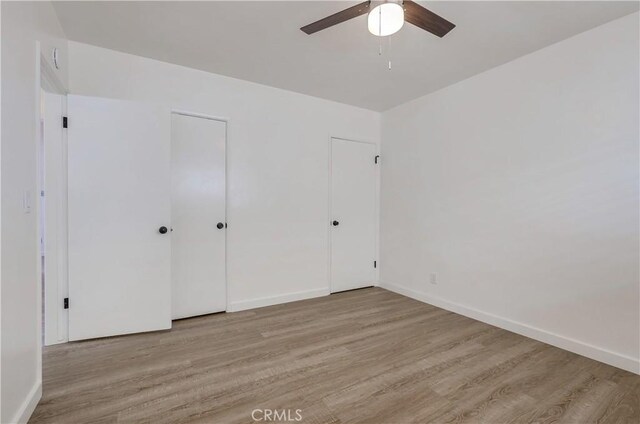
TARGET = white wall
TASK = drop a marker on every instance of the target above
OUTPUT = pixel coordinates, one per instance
(23, 23)
(277, 240)
(519, 188)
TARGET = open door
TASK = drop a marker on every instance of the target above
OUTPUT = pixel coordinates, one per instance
(119, 212)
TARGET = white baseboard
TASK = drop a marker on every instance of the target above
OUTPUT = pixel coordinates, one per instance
(594, 352)
(23, 414)
(275, 300)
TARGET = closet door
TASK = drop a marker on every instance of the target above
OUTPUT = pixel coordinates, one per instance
(353, 222)
(198, 215)
(119, 211)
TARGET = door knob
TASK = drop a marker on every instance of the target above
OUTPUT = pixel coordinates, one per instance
(162, 230)
(220, 225)
(335, 223)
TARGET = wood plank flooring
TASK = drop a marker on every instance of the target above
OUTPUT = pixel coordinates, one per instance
(367, 356)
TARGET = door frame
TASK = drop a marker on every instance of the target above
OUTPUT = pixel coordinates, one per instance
(46, 80)
(376, 211)
(227, 122)
(55, 272)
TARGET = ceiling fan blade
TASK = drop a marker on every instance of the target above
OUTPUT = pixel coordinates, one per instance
(426, 19)
(336, 18)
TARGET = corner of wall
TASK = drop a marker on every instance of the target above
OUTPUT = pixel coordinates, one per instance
(29, 405)
(25, 25)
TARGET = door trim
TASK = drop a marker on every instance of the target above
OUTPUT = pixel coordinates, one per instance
(227, 122)
(199, 115)
(376, 210)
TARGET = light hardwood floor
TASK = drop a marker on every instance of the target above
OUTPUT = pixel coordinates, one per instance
(361, 356)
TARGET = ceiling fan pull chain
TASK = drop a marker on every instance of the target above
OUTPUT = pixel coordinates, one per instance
(389, 50)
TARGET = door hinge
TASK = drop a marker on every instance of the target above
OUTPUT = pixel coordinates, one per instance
(65, 122)
(375, 160)
(375, 264)
(65, 303)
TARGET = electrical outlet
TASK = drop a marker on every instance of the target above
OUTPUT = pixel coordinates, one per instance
(433, 278)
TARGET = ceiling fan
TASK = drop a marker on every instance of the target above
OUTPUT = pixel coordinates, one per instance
(386, 18)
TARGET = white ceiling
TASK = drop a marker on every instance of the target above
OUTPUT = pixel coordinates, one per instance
(261, 41)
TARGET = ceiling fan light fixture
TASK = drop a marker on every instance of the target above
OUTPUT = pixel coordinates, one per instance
(386, 19)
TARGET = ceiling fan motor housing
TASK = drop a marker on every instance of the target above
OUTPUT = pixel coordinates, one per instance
(386, 18)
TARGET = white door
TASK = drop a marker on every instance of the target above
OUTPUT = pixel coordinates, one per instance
(353, 197)
(55, 219)
(197, 216)
(119, 206)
